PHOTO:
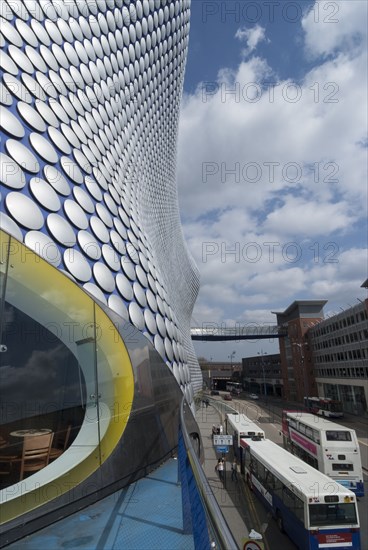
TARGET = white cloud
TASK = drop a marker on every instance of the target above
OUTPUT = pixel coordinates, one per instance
(329, 26)
(252, 37)
(284, 165)
(308, 217)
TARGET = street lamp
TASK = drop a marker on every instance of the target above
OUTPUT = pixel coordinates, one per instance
(263, 372)
(231, 357)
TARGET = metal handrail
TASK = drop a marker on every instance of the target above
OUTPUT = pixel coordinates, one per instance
(220, 528)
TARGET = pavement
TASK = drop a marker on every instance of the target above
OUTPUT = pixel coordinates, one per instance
(239, 514)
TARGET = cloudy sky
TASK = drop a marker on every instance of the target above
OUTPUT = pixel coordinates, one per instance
(272, 159)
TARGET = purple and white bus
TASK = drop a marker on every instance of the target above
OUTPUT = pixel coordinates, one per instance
(331, 448)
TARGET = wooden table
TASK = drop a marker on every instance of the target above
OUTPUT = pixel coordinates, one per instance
(30, 432)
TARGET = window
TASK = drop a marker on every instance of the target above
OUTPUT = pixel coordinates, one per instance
(332, 514)
(343, 467)
(338, 435)
(309, 432)
(294, 503)
(53, 376)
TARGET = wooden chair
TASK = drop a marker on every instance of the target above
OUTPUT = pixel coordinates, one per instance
(8, 459)
(36, 453)
(62, 441)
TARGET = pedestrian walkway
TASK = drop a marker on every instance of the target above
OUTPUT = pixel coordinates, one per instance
(147, 515)
(230, 494)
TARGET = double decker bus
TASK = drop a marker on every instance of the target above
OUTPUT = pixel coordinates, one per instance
(240, 426)
(316, 512)
(324, 406)
(331, 448)
(234, 387)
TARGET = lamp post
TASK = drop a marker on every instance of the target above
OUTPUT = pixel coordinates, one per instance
(263, 372)
(231, 357)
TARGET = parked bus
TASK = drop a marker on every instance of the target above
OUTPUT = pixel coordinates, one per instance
(240, 426)
(324, 406)
(234, 387)
(331, 448)
(314, 510)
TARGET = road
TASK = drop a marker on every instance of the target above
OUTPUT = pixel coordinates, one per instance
(268, 415)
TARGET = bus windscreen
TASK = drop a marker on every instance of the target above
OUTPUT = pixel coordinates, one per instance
(322, 515)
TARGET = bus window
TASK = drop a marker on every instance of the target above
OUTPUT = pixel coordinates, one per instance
(294, 503)
(270, 480)
(309, 432)
(301, 428)
(330, 514)
(338, 435)
(343, 467)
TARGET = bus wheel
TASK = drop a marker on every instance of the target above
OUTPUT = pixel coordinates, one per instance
(280, 522)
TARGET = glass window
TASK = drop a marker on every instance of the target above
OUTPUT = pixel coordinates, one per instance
(338, 435)
(47, 373)
(343, 467)
(332, 514)
(309, 432)
(293, 503)
(64, 371)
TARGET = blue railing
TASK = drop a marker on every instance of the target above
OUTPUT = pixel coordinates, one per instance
(201, 513)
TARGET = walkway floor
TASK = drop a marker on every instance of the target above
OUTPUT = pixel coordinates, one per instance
(230, 495)
(145, 516)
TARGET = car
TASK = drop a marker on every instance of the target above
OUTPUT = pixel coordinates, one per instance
(253, 396)
(228, 397)
(215, 392)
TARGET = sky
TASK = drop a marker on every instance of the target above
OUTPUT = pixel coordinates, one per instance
(272, 160)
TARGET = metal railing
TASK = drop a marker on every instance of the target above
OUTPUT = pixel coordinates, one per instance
(218, 527)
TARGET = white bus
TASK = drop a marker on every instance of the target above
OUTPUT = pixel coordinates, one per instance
(324, 406)
(314, 510)
(331, 448)
(234, 387)
(240, 426)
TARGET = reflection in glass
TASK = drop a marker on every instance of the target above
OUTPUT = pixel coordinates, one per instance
(43, 386)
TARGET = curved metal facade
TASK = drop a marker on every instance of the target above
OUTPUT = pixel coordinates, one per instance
(72, 369)
(90, 98)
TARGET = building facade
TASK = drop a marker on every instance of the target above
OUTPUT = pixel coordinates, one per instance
(339, 347)
(217, 373)
(325, 357)
(296, 361)
(97, 284)
(262, 374)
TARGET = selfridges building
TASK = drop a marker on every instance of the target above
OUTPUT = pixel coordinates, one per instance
(97, 285)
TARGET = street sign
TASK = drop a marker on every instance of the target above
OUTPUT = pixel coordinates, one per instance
(253, 542)
(222, 448)
(253, 545)
(222, 439)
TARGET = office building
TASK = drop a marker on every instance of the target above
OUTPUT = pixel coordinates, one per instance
(261, 374)
(325, 357)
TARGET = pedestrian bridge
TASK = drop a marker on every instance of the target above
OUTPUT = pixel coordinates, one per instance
(219, 333)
